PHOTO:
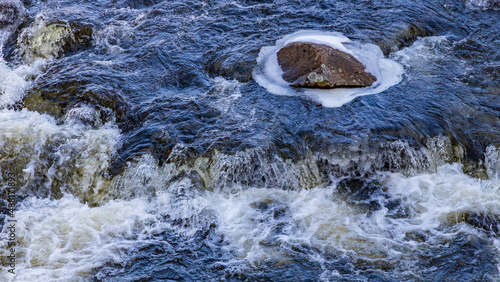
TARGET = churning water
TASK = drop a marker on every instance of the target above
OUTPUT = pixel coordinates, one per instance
(155, 140)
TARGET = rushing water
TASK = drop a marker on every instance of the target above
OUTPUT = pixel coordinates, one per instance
(146, 142)
(268, 73)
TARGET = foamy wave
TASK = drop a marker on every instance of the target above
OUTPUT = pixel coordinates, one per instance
(269, 224)
(51, 158)
(65, 240)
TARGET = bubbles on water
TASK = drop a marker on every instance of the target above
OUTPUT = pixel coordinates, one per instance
(12, 14)
(415, 215)
(492, 162)
(227, 93)
(14, 81)
(143, 178)
(430, 199)
(85, 115)
(119, 35)
(268, 72)
(53, 158)
(492, 165)
(270, 224)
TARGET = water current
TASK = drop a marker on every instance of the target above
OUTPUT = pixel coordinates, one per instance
(151, 140)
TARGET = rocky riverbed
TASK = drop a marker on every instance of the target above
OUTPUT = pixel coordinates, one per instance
(159, 140)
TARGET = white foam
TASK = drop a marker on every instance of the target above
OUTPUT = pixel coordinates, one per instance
(6, 31)
(318, 218)
(79, 154)
(14, 81)
(268, 73)
(118, 33)
(424, 52)
(227, 92)
(433, 197)
(66, 240)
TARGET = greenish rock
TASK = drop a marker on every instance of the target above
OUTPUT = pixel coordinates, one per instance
(488, 222)
(33, 101)
(52, 40)
(311, 65)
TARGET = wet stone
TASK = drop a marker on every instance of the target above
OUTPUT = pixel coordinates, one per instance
(52, 40)
(12, 14)
(237, 66)
(404, 37)
(313, 65)
(485, 4)
(59, 98)
(483, 221)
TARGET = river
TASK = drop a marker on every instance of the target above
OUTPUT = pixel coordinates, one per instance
(147, 140)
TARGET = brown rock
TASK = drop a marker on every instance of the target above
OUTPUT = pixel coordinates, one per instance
(313, 65)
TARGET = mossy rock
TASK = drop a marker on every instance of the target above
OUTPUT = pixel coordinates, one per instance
(484, 221)
(57, 97)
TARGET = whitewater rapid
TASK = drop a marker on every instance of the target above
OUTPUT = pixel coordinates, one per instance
(210, 178)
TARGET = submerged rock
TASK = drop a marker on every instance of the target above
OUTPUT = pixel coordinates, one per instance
(313, 65)
(52, 40)
(484, 221)
(362, 193)
(60, 93)
(237, 65)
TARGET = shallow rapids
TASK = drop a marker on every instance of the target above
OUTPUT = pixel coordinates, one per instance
(404, 223)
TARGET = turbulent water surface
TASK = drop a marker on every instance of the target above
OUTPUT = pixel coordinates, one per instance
(143, 140)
